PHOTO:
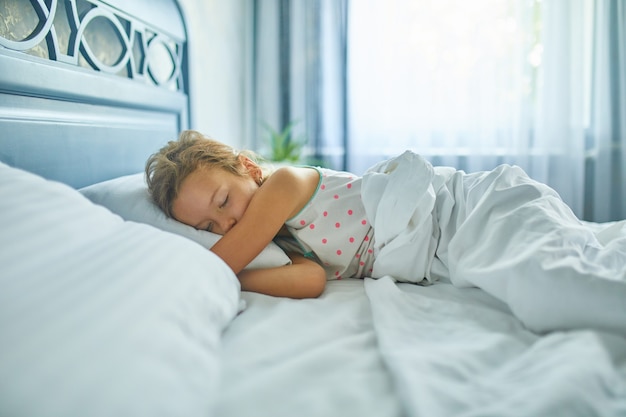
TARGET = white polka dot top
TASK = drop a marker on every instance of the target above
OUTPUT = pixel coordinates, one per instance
(333, 229)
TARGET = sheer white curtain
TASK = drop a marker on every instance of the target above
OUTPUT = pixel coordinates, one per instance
(473, 84)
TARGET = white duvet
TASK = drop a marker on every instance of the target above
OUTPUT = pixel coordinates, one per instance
(449, 348)
(459, 352)
(502, 232)
(377, 348)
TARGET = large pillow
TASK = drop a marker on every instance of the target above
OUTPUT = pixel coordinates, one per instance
(128, 196)
(103, 317)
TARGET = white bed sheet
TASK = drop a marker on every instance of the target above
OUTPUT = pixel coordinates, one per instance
(461, 352)
(379, 348)
(285, 358)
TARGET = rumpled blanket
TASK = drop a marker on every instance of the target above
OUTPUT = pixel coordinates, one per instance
(501, 231)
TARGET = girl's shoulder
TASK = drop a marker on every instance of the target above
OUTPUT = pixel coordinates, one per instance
(295, 175)
(292, 185)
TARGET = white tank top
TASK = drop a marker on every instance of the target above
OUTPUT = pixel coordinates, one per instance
(332, 227)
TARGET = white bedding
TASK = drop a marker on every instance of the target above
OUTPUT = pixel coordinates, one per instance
(102, 317)
(378, 348)
(440, 350)
(305, 358)
(460, 352)
(501, 231)
(128, 196)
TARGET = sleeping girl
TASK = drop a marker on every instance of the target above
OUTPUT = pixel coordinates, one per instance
(498, 230)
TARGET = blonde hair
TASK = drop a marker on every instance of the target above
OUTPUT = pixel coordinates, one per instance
(167, 169)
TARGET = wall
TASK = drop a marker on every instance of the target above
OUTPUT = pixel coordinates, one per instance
(218, 33)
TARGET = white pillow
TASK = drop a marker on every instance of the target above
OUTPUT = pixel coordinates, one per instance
(102, 317)
(128, 197)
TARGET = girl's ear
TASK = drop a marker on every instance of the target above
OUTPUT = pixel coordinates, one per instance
(252, 168)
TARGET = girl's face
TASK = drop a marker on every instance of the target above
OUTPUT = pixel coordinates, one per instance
(214, 199)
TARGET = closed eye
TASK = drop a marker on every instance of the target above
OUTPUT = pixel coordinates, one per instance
(225, 202)
(209, 227)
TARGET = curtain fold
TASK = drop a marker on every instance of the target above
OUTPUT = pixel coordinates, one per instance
(456, 81)
(471, 84)
(299, 73)
(606, 198)
(474, 84)
(560, 119)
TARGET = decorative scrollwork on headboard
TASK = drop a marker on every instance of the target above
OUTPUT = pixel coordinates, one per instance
(92, 34)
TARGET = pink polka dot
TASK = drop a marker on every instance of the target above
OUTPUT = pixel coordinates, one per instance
(363, 222)
(339, 277)
(325, 214)
(323, 187)
(324, 241)
(366, 238)
(339, 252)
(370, 251)
(336, 197)
(337, 225)
(358, 255)
(351, 240)
(311, 226)
(349, 186)
(302, 222)
(336, 273)
(350, 212)
(362, 263)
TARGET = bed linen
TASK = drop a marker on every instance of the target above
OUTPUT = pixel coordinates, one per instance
(306, 358)
(128, 196)
(375, 347)
(103, 317)
(460, 352)
(501, 231)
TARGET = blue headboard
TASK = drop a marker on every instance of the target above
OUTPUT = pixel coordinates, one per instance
(90, 88)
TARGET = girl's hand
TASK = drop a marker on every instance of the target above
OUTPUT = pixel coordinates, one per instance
(304, 278)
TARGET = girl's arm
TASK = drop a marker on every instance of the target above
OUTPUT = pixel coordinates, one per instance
(281, 197)
(304, 278)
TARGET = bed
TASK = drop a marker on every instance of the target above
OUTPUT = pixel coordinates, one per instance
(107, 308)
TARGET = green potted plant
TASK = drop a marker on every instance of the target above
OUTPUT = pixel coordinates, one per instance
(284, 146)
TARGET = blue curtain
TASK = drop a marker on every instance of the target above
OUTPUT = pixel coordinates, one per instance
(606, 164)
(299, 64)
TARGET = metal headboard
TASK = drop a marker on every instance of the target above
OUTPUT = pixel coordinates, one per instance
(89, 88)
